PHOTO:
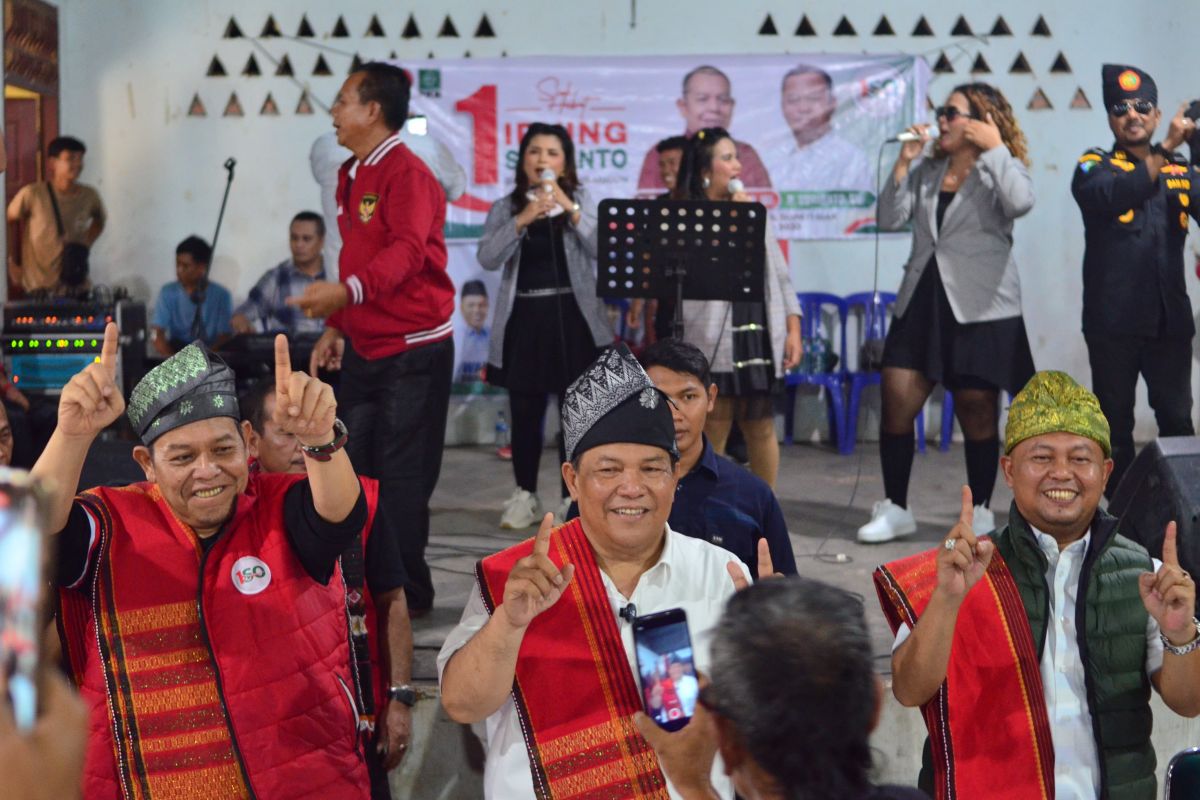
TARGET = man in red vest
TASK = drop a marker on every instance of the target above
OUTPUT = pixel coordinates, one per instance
(544, 651)
(203, 611)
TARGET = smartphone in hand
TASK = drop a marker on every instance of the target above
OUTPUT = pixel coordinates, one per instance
(23, 590)
(666, 667)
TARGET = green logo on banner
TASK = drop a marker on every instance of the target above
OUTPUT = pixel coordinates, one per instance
(835, 198)
(429, 82)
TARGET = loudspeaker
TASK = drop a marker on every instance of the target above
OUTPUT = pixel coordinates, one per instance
(110, 463)
(1163, 484)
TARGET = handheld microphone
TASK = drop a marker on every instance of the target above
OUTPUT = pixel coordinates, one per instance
(628, 613)
(736, 185)
(909, 136)
(547, 177)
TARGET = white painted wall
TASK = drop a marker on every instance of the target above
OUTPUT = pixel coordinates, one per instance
(130, 67)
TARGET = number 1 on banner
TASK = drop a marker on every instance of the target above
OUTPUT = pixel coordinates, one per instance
(482, 108)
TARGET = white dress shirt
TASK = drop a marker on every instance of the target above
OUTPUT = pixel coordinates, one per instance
(690, 574)
(1076, 760)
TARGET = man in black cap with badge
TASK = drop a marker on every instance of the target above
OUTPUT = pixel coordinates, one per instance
(202, 611)
(544, 651)
(1135, 200)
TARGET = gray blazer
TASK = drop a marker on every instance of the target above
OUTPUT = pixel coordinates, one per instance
(500, 246)
(974, 244)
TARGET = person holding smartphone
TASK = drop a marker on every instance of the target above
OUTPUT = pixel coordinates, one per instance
(556, 613)
(1136, 198)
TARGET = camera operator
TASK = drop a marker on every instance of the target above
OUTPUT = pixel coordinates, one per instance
(1135, 200)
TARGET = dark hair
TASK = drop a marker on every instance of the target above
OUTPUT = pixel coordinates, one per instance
(671, 143)
(65, 143)
(253, 402)
(313, 217)
(791, 669)
(569, 181)
(807, 69)
(473, 288)
(387, 85)
(697, 157)
(704, 69)
(195, 247)
(677, 356)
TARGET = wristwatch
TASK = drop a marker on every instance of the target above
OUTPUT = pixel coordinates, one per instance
(1182, 650)
(576, 208)
(405, 694)
(324, 452)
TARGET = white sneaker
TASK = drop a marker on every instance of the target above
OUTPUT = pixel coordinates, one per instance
(888, 521)
(560, 515)
(521, 510)
(983, 522)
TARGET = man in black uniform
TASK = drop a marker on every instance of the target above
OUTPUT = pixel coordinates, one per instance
(1137, 318)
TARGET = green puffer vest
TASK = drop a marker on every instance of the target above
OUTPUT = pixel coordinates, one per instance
(1112, 647)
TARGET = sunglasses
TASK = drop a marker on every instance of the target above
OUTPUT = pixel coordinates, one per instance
(951, 113)
(1140, 106)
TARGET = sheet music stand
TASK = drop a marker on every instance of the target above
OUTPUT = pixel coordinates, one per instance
(692, 249)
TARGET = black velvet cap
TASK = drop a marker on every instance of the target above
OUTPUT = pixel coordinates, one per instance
(1122, 82)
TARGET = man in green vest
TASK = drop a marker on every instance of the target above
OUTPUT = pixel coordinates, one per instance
(1032, 653)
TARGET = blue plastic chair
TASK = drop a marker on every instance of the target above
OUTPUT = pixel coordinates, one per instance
(875, 308)
(1183, 775)
(948, 421)
(813, 306)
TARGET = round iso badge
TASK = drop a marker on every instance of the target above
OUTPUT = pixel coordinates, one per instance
(250, 575)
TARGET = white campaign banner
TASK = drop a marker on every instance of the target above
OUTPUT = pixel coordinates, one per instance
(808, 128)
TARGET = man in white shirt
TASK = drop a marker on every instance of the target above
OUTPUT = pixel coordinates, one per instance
(817, 158)
(1060, 647)
(544, 651)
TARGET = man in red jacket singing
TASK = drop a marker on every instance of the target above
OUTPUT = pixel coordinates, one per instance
(203, 611)
(388, 318)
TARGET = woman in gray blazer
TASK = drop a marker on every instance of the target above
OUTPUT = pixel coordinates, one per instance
(549, 325)
(958, 312)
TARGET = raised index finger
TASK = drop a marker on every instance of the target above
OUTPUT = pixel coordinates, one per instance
(968, 507)
(765, 567)
(541, 542)
(283, 366)
(108, 351)
(1170, 551)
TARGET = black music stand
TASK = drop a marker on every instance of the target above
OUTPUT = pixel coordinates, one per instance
(689, 249)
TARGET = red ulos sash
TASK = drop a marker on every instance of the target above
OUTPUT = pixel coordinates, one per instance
(988, 726)
(574, 691)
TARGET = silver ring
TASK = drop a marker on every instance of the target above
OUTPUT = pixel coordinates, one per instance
(949, 543)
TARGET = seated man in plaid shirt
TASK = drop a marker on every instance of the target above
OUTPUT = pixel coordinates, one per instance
(266, 309)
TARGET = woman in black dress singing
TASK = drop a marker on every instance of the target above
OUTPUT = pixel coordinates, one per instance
(958, 312)
(549, 325)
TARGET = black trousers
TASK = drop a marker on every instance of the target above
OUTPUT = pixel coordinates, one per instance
(395, 410)
(1165, 365)
(528, 422)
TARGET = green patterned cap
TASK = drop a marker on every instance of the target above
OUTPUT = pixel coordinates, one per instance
(192, 385)
(1052, 402)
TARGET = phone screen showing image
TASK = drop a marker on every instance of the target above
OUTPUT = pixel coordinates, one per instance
(666, 668)
(21, 594)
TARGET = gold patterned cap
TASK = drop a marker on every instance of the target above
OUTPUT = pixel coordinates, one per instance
(1053, 402)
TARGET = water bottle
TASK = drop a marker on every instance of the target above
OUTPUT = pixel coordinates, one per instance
(501, 431)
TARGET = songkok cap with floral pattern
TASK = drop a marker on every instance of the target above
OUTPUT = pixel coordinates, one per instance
(192, 385)
(1052, 402)
(614, 401)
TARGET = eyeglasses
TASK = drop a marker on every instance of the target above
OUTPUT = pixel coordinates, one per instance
(1140, 106)
(951, 113)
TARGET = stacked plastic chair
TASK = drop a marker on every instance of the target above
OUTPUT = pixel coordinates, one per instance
(875, 308)
(1183, 775)
(814, 306)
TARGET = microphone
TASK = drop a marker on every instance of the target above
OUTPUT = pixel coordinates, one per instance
(909, 136)
(547, 177)
(736, 185)
(628, 613)
(230, 163)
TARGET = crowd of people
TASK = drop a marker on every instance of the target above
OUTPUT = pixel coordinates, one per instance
(238, 624)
